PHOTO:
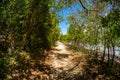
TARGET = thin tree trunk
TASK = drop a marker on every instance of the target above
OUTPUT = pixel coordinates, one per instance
(108, 54)
(113, 47)
(103, 53)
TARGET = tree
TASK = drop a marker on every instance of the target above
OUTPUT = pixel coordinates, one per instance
(27, 25)
(111, 25)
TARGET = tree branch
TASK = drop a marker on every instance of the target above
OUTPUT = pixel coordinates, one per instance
(83, 5)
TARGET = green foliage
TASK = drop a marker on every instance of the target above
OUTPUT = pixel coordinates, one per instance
(4, 67)
(29, 23)
(26, 25)
(64, 38)
(111, 25)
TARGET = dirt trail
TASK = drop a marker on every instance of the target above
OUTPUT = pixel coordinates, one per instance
(66, 64)
(59, 57)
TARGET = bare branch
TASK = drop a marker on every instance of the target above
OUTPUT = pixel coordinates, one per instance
(83, 5)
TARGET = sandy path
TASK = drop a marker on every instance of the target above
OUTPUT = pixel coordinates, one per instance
(64, 61)
(60, 56)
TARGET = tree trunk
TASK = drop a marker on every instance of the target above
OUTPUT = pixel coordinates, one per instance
(108, 54)
(103, 53)
(113, 47)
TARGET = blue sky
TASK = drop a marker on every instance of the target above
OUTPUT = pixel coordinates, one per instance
(63, 26)
(63, 23)
(64, 13)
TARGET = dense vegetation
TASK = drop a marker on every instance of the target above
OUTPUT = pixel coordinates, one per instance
(28, 25)
(31, 26)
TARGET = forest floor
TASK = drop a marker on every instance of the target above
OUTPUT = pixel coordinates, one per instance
(67, 65)
(59, 63)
